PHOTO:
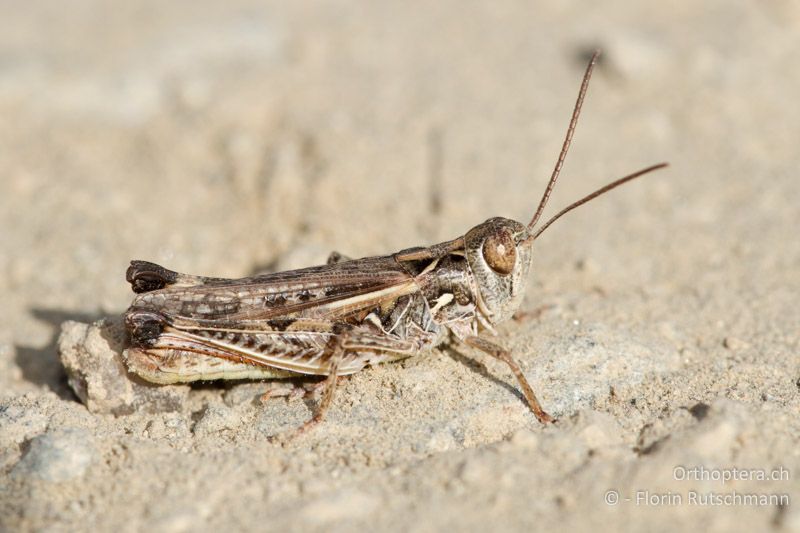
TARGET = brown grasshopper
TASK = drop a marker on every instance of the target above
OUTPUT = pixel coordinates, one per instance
(335, 319)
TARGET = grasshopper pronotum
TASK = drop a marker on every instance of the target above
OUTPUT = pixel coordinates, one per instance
(335, 319)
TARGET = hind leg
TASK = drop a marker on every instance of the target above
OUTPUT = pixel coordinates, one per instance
(145, 276)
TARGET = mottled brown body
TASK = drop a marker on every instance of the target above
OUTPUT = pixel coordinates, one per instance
(337, 318)
(387, 307)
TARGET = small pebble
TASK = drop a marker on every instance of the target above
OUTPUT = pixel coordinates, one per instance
(732, 343)
(58, 456)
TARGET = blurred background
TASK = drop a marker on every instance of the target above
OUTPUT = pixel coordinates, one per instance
(227, 138)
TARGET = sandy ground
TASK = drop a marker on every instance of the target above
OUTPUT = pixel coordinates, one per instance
(231, 140)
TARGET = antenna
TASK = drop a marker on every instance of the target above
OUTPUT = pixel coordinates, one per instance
(567, 140)
(563, 155)
(597, 193)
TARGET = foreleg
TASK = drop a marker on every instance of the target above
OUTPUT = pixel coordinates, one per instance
(505, 356)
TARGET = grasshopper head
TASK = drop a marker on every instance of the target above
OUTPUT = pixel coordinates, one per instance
(499, 250)
(499, 255)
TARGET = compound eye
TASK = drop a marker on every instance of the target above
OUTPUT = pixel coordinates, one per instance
(500, 252)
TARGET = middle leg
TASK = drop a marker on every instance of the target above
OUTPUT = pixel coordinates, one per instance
(328, 386)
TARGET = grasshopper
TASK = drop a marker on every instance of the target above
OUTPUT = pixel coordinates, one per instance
(336, 319)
